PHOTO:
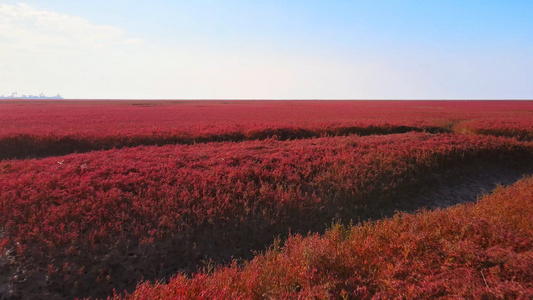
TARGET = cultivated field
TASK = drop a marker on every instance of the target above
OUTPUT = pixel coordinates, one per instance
(180, 199)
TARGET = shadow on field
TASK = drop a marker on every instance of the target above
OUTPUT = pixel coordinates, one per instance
(204, 247)
(26, 146)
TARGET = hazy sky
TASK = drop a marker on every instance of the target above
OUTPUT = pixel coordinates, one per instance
(268, 49)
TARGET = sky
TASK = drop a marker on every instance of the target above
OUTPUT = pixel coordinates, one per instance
(231, 49)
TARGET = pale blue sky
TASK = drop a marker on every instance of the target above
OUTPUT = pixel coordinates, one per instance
(268, 49)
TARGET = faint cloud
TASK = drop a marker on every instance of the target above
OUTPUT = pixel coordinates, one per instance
(44, 51)
(25, 27)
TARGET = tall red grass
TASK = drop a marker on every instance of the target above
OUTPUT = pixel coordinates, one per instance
(473, 251)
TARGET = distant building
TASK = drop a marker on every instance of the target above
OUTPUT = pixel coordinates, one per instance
(41, 96)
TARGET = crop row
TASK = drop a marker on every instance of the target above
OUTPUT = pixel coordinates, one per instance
(78, 209)
(474, 251)
(82, 126)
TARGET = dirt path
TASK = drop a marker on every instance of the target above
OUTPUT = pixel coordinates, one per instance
(460, 184)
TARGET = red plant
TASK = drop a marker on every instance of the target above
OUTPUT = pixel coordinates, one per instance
(520, 126)
(272, 167)
(82, 126)
(477, 251)
(152, 191)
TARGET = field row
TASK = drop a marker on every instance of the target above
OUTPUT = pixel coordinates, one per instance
(478, 251)
(75, 216)
(154, 190)
(82, 126)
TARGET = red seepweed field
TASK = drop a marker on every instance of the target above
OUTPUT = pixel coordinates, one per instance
(102, 196)
(44, 128)
(479, 251)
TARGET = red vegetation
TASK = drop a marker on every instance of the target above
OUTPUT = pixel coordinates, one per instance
(478, 251)
(224, 178)
(87, 211)
(520, 126)
(148, 192)
(27, 129)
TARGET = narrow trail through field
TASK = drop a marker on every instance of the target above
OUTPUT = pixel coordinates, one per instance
(460, 184)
